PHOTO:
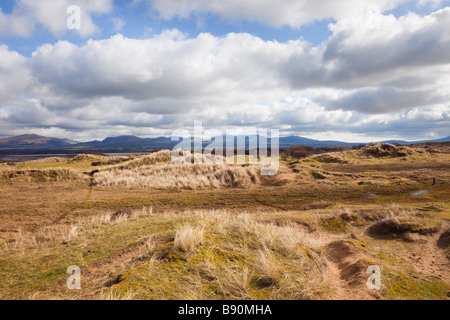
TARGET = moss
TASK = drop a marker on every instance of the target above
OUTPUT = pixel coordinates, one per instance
(168, 254)
(359, 244)
(218, 256)
(259, 294)
(391, 259)
(349, 217)
(333, 224)
(399, 286)
(370, 262)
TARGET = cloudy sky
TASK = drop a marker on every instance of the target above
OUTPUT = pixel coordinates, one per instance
(351, 70)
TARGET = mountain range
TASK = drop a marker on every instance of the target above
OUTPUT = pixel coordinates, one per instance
(31, 143)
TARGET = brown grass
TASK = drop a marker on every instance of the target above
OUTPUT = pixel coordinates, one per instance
(42, 175)
(382, 150)
(188, 238)
(179, 177)
(48, 236)
(160, 157)
(399, 222)
(203, 242)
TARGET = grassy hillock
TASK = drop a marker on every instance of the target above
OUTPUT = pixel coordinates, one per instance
(142, 228)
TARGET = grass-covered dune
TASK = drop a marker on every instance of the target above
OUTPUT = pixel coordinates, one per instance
(140, 227)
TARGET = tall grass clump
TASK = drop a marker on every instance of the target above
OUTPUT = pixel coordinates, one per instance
(385, 150)
(49, 236)
(188, 238)
(42, 175)
(160, 157)
(168, 176)
(225, 255)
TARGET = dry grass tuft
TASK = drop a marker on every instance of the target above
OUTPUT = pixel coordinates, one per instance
(52, 235)
(96, 157)
(271, 272)
(179, 176)
(42, 175)
(224, 255)
(160, 157)
(189, 238)
(47, 160)
(113, 295)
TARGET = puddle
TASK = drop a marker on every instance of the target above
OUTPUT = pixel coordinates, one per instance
(420, 193)
(372, 195)
(425, 169)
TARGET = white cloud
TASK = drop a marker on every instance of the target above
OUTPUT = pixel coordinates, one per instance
(118, 23)
(14, 75)
(389, 81)
(52, 15)
(399, 43)
(18, 25)
(294, 13)
(165, 66)
(403, 64)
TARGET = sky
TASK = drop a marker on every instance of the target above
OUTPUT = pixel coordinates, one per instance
(357, 71)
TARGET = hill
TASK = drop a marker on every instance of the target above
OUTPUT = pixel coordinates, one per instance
(32, 143)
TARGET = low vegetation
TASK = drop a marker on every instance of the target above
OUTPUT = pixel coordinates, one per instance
(179, 176)
(43, 175)
(382, 150)
(140, 227)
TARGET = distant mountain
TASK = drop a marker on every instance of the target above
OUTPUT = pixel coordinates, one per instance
(447, 139)
(32, 143)
(296, 141)
(127, 142)
(123, 139)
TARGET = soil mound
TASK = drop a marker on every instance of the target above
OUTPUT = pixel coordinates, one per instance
(395, 228)
(347, 258)
(444, 240)
(385, 150)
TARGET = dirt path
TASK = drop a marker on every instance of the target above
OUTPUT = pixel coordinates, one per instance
(429, 258)
(346, 265)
